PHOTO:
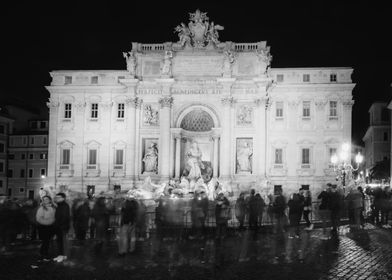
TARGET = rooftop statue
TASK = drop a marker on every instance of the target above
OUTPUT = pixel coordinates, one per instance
(199, 32)
(130, 59)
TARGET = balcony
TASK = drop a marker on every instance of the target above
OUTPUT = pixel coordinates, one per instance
(92, 170)
(65, 170)
(118, 170)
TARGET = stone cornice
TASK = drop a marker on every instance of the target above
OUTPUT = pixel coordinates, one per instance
(84, 89)
(314, 87)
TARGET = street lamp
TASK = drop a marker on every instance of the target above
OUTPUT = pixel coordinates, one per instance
(342, 162)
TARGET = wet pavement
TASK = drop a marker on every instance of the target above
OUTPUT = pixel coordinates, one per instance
(361, 254)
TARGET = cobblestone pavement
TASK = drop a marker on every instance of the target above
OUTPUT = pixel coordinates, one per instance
(362, 254)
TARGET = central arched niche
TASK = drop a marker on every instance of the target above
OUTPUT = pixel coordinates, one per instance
(197, 125)
(197, 120)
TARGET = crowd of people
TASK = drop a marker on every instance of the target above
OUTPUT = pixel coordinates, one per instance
(53, 217)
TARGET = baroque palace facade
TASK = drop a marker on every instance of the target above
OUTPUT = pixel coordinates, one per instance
(197, 108)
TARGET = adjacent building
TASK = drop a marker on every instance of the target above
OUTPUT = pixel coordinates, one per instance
(6, 123)
(378, 135)
(198, 108)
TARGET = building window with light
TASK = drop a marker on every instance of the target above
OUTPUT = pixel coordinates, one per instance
(279, 110)
(120, 110)
(94, 110)
(306, 109)
(305, 158)
(333, 78)
(65, 156)
(278, 156)
(43, 172)
(333, 109)
(92, 156)
(67, 110)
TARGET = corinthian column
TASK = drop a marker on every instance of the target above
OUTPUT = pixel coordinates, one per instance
(216, 160)
(178, 157)
(164, 140)
(225, 156)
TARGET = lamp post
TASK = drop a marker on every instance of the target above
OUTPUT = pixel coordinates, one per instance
(342, 162)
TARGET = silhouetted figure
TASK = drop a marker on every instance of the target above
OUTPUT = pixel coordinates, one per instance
(81, 216)
(240, 210)
(101, 216)
(45, 219)
(127, 236)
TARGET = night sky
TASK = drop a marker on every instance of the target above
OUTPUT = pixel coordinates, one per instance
(39, 38)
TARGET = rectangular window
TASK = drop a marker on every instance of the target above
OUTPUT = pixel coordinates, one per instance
(45, 140)
(65, 156)
(34, 125)
(279, 109)
(1, 183)
(385, 136)
(1, 166)
(94, 80)
(332, 151)
(22, 173)
(32, 140)
(21, 190)
(10, 173)
(68, 80)
(385, 115)
(24, 140)
(2, 148)
(43, 172)
(279, 78)
(333, 108)
(278, 156)
(43, 156)
(2, 129)
(31, 156)
(120, 110)
(67, 110)
(119, 157)
(332, 78)
(94, 110)
(306, 78)
(305, 156)
(11, 156)
(23, 156)
(31, 173)
(92, 157)
(306, 109)
(42, 125)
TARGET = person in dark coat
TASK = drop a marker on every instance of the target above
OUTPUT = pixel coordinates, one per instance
(240, 210)
(385, 206)
(377, 204)
(335, 203)
(252, 210)
(279, 206)
(355, 205)
(295, 205)
(199, 211)
(307, 203)
(81, 216)
(62, 225)
(127, 236)
(101, 216)
(30, 209)
(324, 212)
(222, 215)
(260, 209)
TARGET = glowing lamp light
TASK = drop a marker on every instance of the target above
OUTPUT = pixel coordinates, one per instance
(346, 147)
(334, 159)
(358, 158)
(43, 176)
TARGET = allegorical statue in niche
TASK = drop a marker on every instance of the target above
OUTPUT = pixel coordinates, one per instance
(194, 162)
(167, 63)
(244, 154)
(228, 61)
(150, 115)
(150, 159)
(131, 62)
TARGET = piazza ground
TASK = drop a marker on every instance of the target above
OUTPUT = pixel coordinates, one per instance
(364, 254)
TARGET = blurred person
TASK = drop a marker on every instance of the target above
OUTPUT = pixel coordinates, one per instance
(385, 206)
(260, 209)
(295, 205)
(362, 212)
(279, 207)
(252, 210)
(240, 210)
(324, 209)
(199, 211)
(355, 205)
(334, 203)
(127, 236)
(101, 216)
(307, 204)
(45, 219)
(141, 225)
(30, 208)
(62, 225)
(81, 215)
(378, 195)
(222, 215)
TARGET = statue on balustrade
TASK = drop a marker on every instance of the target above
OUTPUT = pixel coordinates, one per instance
(131, 62)
(150, 159)
(228, 61)
(244, 155)
(167, 63)
(184, 34)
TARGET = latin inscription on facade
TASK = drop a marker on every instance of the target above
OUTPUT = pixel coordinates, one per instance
(197, 66)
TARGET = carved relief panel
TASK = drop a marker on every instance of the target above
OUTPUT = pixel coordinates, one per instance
(244, 115)
(150, 115)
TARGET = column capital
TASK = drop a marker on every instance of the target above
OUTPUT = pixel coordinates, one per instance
(134, 102)
(166, 101)
(52, 103)
(348, 103)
